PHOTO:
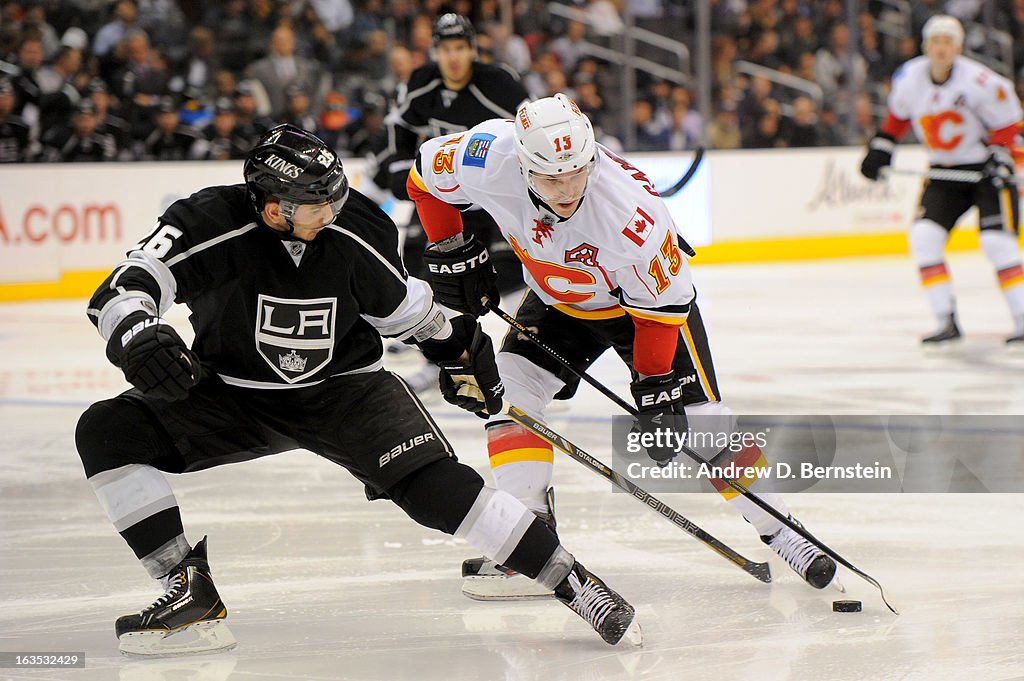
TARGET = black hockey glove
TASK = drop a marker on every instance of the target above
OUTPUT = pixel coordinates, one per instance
(463, 276)
(1000, 168)
(470, 379)
(659, 399)
(879, 156)
(153, 357)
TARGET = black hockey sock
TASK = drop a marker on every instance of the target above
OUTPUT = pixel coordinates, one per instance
(534, 551)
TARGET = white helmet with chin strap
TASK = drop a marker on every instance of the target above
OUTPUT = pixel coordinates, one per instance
(553, 137)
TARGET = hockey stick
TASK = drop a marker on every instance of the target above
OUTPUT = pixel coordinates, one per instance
(698, 156)
(739, 487)
(760, 571)
(946, 175)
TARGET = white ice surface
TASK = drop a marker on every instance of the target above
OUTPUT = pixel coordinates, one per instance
(323, 585)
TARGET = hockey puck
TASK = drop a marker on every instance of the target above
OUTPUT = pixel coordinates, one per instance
(846, 606)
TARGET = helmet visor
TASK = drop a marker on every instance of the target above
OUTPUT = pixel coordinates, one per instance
(289, 208)
(560, 188)
(338, 203)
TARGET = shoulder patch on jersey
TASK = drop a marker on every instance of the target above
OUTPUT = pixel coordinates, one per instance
(639, 227)
(477, 148)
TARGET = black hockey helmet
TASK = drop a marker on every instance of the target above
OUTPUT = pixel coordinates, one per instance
(295, 167)
(453, 26)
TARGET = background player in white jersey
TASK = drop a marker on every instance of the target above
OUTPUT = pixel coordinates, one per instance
(291, 279)
(967, 116)
(605, 269)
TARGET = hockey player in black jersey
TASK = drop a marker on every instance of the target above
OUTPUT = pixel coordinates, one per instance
(452, 93)
(291, 279)
(15, 134)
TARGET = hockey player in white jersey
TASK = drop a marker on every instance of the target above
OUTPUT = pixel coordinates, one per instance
(967, 116)
(605, 269)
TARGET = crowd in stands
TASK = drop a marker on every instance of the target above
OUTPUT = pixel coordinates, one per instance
(94, 80)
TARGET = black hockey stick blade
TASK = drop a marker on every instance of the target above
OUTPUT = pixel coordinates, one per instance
(760, 571)
(698, 156)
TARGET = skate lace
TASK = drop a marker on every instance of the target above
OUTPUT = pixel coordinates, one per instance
(794, 549)
(174, 588)
(591, 602)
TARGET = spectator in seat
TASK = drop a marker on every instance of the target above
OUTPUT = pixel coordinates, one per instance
(282, 68)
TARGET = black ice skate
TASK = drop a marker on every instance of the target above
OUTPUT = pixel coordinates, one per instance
(608, 612)
(806, 559)
(188, 618)
(947, 336)
(485, 580)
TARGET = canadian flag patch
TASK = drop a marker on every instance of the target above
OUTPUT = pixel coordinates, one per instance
(639, 227)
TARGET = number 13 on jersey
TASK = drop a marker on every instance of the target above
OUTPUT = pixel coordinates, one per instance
(669, 251)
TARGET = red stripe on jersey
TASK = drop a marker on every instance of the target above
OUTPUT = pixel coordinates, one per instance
(895, 127)
(606, 279)
(654, 347)
(645, 215)
(1010, 273)
(440, 220)
(637, 273)
(448, 191)
(1004, 136)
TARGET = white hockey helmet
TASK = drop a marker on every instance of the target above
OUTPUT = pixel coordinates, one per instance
(943, 24)
(554, 137)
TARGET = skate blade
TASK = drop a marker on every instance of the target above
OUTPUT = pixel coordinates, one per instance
(517, 588)
(212, 667)
(634, 634)
(945, 348)
(202, 637)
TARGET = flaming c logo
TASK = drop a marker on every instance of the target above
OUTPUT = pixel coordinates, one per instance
(938, 137)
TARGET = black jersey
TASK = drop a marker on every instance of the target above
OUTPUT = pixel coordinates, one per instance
(214, 147)
(63, 144)
(177, 145)
(271, 312)
(429, 109)
(15, 137)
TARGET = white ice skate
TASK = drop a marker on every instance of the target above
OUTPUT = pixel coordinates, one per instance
(806, 559)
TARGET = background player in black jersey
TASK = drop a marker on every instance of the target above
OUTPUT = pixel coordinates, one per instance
(15, 135)
(291, 279)
(450, 94)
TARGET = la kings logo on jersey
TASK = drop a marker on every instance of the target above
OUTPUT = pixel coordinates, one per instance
(295, 336)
